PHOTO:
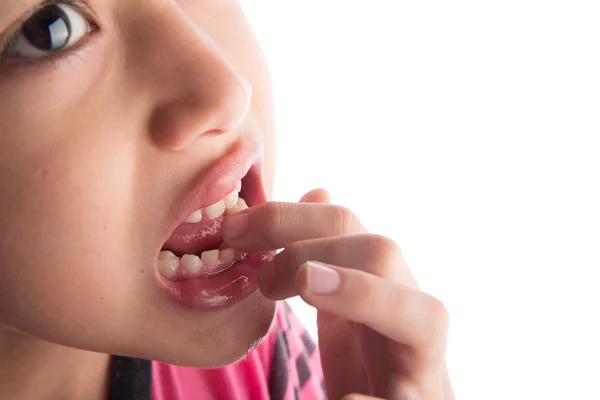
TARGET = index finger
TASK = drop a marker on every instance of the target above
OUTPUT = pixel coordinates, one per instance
(274, 225)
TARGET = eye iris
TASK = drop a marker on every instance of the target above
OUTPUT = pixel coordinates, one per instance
(48, 29)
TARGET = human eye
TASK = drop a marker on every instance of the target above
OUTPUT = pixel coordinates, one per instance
(49, 28)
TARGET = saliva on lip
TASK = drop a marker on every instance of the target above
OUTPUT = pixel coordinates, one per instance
(209, 262)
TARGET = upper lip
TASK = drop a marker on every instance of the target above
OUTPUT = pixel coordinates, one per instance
(244, 158)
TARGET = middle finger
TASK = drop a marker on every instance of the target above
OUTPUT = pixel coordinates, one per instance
(374, 254)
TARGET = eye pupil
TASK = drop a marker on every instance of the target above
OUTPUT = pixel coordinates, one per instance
(48, 29)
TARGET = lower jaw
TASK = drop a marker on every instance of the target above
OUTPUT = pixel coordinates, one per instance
(220, 291)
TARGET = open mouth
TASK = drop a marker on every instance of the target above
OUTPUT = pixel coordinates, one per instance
(194, 268)
(196, 249)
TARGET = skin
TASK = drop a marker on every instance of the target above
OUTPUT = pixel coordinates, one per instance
(98, 141)
(378, 333)
(95, 147)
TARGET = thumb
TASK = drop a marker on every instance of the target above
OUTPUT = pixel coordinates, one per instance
(316, 196)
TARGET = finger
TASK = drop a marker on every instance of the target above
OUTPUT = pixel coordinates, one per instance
(400, 313)
(316, 196)
(274, 225)
(356, 396)
(374, 254)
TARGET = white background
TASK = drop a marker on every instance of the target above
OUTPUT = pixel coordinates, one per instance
(467, 131)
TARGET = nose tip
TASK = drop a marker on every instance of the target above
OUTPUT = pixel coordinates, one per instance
(218, 107)
(234, 107)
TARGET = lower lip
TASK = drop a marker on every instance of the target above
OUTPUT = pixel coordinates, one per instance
(218, 292)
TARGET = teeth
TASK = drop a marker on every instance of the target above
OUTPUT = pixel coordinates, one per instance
(210, 257)
(167, 264)
(167, 255)
(191, 265)
(227, 255)
(229, 202)
(231, 199)
(215, 210)
(240, 205)
(195, 217)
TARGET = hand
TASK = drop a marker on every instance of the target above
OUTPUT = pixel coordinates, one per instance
(379, 335)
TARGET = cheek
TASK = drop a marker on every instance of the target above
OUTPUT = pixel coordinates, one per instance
(65, 200)
(65, 219)
(66, 174)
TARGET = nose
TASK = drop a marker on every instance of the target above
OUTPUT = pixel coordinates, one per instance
(195, 89)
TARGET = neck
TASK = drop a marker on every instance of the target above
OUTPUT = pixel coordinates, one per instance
(34, 369)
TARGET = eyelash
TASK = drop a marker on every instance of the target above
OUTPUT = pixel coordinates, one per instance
(52, 58)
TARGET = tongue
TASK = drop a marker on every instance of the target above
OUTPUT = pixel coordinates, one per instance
(196, 238)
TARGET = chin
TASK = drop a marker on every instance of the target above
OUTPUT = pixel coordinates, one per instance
(233, 335)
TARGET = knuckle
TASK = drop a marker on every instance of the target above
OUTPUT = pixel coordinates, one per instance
(438, 322)
(385, 256)
(271, 218)
(344, 221)
(380, 244)
(267, 221)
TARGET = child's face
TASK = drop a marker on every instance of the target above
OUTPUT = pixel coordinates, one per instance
(99, 144)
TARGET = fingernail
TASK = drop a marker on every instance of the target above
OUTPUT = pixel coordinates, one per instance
(235, 226)
(321, 279)
(266, 277)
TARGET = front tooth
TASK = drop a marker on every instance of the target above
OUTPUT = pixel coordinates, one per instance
(215, 210)
(238, 186)
(210, 257)
(231, 199)
(227, 255)
(195, 217)
(167, 264)
(191, 264)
